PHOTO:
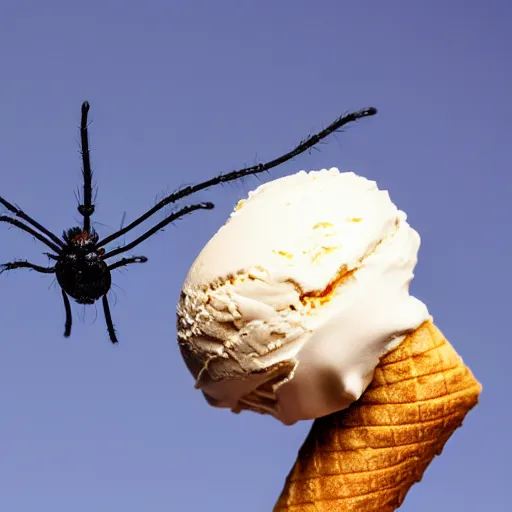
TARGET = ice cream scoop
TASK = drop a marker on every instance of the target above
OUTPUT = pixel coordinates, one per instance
(290, 305)
(299, 307)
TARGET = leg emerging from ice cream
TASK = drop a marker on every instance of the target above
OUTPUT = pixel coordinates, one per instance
(299, 307)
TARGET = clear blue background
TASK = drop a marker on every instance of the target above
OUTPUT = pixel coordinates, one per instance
(180, 91)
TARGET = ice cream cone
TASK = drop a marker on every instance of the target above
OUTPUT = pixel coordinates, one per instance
(366, 458)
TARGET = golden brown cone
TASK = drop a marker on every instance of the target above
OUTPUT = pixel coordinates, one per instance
(367, 457)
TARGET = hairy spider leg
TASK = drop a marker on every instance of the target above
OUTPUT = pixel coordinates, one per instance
(184, 211)
(4, 267)
(108, 317)
(256, 169)
(22, 215)
(69, 317)
(87, 208)
(28, 229)
(128, 261)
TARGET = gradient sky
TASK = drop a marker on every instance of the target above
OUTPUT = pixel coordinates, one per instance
(181, 91)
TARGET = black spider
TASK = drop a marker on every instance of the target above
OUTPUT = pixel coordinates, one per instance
(80, 257)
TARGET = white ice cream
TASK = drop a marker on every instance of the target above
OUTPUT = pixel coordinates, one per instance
(290, 305)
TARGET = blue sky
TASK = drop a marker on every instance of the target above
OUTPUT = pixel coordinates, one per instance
(180, 91)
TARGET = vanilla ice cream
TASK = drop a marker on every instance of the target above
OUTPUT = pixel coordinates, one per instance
(288, 308)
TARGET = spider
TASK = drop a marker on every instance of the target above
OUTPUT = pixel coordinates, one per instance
(81, 266)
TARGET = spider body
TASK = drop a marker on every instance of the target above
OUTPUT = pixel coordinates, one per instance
(81, 267)
(80, 270)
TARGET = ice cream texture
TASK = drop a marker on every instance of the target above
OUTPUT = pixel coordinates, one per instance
(290, 305)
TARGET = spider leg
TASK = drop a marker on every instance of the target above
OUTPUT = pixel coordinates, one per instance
(255, 169)
(22, 215)
(87, 208)
(128, 261)
(69, 317)
(180, 213)
(33, 232)
(108, 317)
(25, 264)
(28, 229)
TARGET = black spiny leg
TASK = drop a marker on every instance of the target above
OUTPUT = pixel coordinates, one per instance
(69, 318)
(305, 145)
(22, 215)
(128, 261)
(175, 216)
(87, 208)
(108, 318)
(30, 231)
(25, 264)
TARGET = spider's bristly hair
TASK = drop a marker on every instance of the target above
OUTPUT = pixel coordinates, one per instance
(255, 169)
(175, 216)
(87, 207)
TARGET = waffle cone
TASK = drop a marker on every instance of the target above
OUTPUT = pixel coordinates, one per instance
(367, 457)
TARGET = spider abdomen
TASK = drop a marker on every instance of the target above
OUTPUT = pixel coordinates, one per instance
(80, 269)
(86, 279)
